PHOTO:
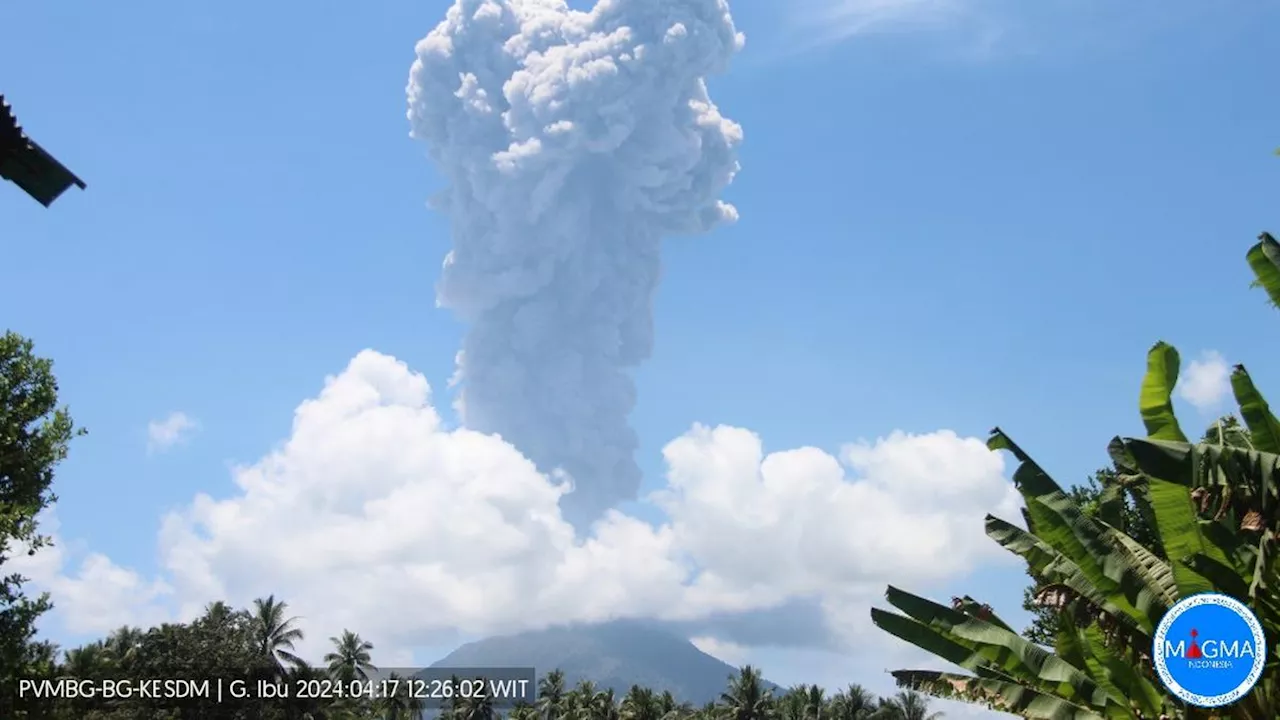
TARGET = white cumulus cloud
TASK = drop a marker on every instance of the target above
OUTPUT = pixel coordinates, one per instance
(374, 516)
(93, 596)
(172, 430)
(728, 652)
(1206, 382)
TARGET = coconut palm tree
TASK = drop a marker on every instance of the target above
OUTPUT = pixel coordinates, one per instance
(122, 646)
(274, 631)
(578, 701)
(218, 611)
(791, 706)
(746, 697)
(853, 703)
(671, 709)
(906, 705)
(350, 658)
(301, 707)
(524, 711)
(604, 705)
(551, 695)
(42, 657)
(640, 703)
(478, 706)
(815, 702)
(588, 702)
(400, 703)
(87, 661)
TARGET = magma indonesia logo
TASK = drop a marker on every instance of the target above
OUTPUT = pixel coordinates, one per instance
(1209, 650)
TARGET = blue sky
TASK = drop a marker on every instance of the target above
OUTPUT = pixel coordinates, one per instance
(956, 216)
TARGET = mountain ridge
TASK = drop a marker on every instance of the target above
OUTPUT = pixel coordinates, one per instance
(613, 655)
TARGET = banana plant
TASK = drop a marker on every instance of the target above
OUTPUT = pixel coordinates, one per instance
(1110, 592)
(1213, 508)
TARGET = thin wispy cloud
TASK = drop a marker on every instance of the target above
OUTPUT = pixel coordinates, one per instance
(1206, 382)
(818, 23)
(173, 430)
(852, 17)
(983, 29)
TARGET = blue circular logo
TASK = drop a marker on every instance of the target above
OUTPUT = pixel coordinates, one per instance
(1209, 650)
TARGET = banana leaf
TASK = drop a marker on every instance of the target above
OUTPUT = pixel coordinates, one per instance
(1264, 429)
(1103, 560)
(1264, 259)
(993, 647)
(1135, 483)
(1118, 674)
(982, 611)
(961, 654)
(1156, 400)
(999, 695)
(1171, 469)
(1044, 561)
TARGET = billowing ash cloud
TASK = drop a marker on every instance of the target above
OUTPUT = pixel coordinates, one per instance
(573, 142)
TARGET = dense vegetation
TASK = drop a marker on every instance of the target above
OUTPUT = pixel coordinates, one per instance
(1170, 518)
(259, 643)
(34, 435)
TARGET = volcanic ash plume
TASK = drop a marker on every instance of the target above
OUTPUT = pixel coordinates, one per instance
(573, 142)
